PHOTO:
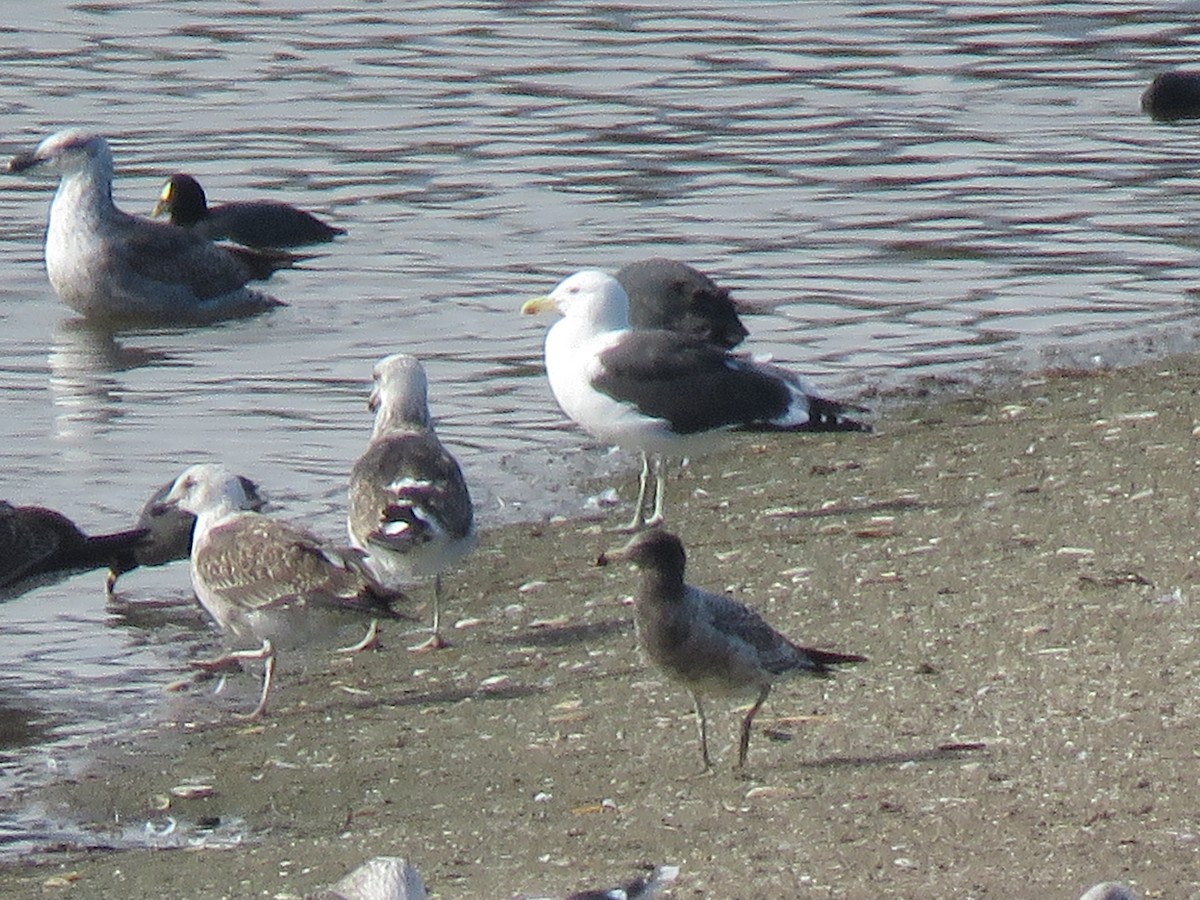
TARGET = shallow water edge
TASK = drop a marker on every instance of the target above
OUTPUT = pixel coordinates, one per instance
(1019, 567)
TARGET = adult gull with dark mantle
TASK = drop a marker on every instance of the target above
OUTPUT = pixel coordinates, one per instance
(410, 509)
(108, 264)
(268, 579)
(665, 293)
(708, 643)
(661, 392)
(254, 223)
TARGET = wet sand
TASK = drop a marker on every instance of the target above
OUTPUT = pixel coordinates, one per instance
(1019, 567)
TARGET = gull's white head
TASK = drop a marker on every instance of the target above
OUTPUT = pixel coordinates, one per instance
(67, 152)
(399, 395)
(590, 296)
(207, 489)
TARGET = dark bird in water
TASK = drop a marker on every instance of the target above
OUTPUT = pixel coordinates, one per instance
(253, 223)
(39, 545)
(671, 295)
(708, 643)
(1172, 96)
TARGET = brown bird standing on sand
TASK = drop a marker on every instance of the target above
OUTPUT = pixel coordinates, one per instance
(708, 643)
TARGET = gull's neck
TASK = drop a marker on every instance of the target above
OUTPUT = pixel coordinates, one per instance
(661, 582)
(214, 515)
(599, 318)
(83, 194)
(408, 417)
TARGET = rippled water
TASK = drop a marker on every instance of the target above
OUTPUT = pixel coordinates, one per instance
(903, 190)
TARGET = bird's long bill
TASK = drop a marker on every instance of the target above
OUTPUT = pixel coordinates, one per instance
(616, 554)
(171, 499)
(537, 305)
(22, 162)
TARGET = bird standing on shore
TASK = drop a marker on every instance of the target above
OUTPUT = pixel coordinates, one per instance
(108, 264)
(253, 223)
(268, 579)
(410, 509)
(708, 643)
(660, 392)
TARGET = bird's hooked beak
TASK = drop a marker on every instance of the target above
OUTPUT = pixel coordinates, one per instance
(536, 305)
(174, 495)
(373, 400)
(23, 162)
(167, 504)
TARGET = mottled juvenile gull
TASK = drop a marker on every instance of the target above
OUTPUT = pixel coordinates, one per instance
(107, 264)
(38, 545)
(708, 643)
(254, 223)
(269, 579)
(168, 532)
(667, 294)
(660, 392)
(410, 510)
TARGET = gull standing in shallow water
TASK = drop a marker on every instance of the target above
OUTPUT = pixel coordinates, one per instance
(709, 643)
(661, 392)
(269, 579)
(108, 264)
(168, 531)
(410, 510)
(254, 223)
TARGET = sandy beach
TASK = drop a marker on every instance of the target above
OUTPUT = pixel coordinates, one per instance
(1019, 568)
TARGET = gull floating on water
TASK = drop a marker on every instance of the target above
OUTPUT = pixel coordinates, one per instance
(39, 545)
(661, 392)
(667, 294)
(268, 579)
(254, 223)
(410, 510)
(108, 264)
(168, 532)
(708, 643)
